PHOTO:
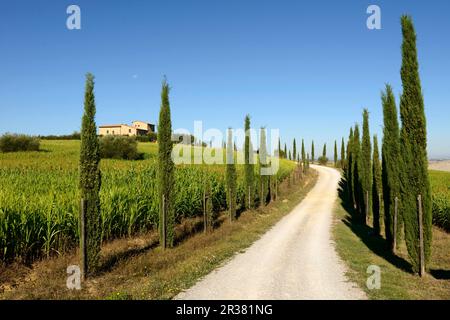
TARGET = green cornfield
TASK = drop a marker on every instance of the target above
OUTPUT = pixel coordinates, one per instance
(39, 197)
(440, 185)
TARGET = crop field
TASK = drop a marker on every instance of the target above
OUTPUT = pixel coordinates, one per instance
(39, 197)
(440, 185)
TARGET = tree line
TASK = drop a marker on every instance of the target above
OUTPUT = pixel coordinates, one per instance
(394, 192)
(90, 178)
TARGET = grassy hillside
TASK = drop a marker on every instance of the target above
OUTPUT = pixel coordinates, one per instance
(39, 198)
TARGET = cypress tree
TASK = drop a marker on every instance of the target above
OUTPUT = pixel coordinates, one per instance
(390, 163)
(231, 177)
(90, 178)
(285, 151)
(366, 167)
(335, 154)
(324, 151)
(294, 151)
(343, 161)
(312, 152)
(376, 187)
(166, 168)
(279, 147)
(356, 169)
(303, 155)
(263, 162)
(248, 165)
(290, 158)
(413, 146)
(349, 169)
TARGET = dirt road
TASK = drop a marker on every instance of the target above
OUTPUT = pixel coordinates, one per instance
(296, 259)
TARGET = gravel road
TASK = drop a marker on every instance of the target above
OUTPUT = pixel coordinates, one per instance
(296, 259)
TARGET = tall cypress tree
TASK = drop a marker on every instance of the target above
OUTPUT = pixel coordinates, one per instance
(376, 187)
(390, 163)
(349, 169)
(294, 151)
(248, 165)
(303, 155)
(90, 178)
(335, 154)
(312, 152)
(166, 168)
(231, 177)
(279, 148)
(343, 154)
(285, 151)
(263, 162)
(366, 167)
(414, 173)
(356, 171)
(324, 151)
(290, 157)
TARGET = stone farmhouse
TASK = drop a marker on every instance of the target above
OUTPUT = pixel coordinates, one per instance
(137, 128)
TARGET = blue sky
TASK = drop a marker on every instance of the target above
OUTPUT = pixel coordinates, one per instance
(308, 68)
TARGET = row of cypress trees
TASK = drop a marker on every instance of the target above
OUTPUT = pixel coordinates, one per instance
(90, 176)
(402, 176)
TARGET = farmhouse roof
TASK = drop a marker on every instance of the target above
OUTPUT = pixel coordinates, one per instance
(113, 125)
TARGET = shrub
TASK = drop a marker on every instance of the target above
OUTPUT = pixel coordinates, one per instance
(149, 137)
(323, 160)
(18, 142)
(119, 147)
(74, 136)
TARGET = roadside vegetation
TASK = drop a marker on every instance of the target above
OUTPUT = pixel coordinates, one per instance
(387, 207)
(357, 246)
(137, 267)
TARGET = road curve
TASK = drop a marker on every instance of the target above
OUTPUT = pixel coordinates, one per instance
(296, 259)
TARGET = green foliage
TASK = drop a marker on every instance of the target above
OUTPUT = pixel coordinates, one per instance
(307, 162)
(39, 198)
(18, 142)
(294, 151)
(376, 187)
(90, 176)
(335, 154)
(390, 163)
(323, 160)
(249, 166)
(414, 172)
(312, 151)
(74, 136)
(303, 154)
(119, 147)
(149, 137)
(343, 160)
(231, 177)
(263, 163)
(166, 170)
(349, 168)
(440, 185)
(356, 172)
(366, 167)
(324, 150)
